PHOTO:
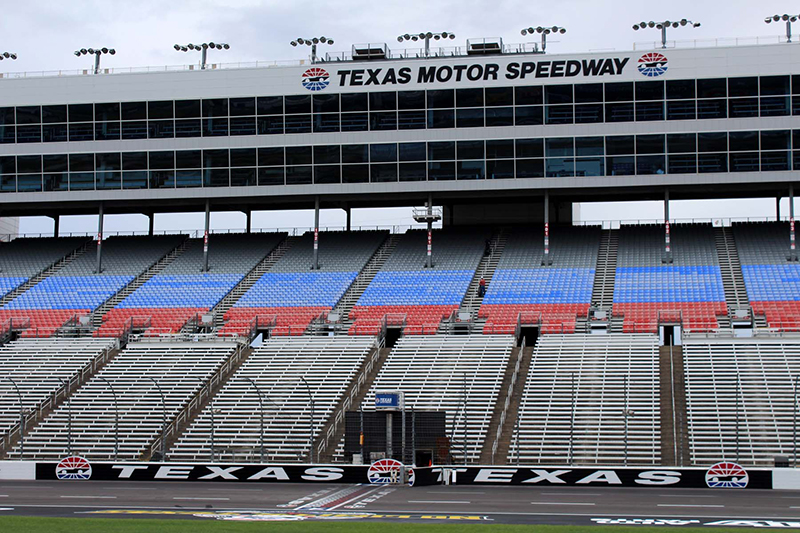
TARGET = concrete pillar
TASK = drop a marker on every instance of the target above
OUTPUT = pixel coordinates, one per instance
(546, 261)
(348, 213)
(792, 243)
(56, 225)
(248, 215)
(205, 235)
(429, 260)
(99, 261)
(315, 266)
(778, 209)
(151, 223)
(667, 244)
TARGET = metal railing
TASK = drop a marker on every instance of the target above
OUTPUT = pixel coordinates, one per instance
(507, 403)
(712, 43)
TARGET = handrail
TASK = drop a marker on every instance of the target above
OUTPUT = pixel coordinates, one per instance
(507, 404)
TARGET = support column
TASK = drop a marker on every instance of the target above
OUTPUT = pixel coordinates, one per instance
(429, 261)
(778, 209)
(792, 243)
(348, 213)
(667, 245)
(99, 262)
(151, 223)
(248, 221)
(546, 261)
(315, 266)
(205, 235)
(56, 225)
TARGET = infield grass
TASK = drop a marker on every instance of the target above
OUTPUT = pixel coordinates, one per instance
(24, 524)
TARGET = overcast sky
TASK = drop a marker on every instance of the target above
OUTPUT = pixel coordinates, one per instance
(46, 32)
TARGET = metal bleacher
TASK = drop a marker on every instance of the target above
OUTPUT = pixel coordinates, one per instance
(740, 397)
(575, 401)
(328, 364)
(22, 259)
(39, 368)
(460, 375)
(179, 368)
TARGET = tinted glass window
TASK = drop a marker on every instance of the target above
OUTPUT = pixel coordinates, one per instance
(383, 153)
(81, 113)
(559, 147)
(107, 162)
(216, 107)
(27, 164)
(712, 88)
(298, 155)
(215, 158)
(161, 160)
(326, 154)
(130, 111)
(270, 105)
(776, 140)
(712, 142)
(441, 98)
(649, 144)
(558, 94)
(411, 100)
(469, 150)
(619, 92)
(438, 151)
(188, 159)
(243, 157)
(271, 156)
(412, 152)
(187, 108)
(134, 161)
(383, 101)
(681, 142)
(528, 95)
(81, 162)
(529, 147)
(619, 145)
(680, 89)
(54, 113)
(297, 104)
(354, 102)
(499, 96)
(742, 140)
(326, 103)
(469, 97)
(29, 114)
(774, 85)
(588, 92)
(163, 109)
(500, 149)
(58, 163)
(743, 86)
(589, 146)
(356, 153)
(649, 90)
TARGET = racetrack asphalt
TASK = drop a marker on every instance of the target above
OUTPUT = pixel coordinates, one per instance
(498, 504)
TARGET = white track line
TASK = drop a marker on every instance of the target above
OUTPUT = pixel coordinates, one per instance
(438, 501)
(687, 505)
(563, 503)
(203, 499)
(90, 497)
(351, 500)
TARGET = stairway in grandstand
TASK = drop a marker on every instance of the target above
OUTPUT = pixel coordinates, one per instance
(471, 303)
(243, 286)
(180, 369)
(364, 277)
(577, 394)
(45, 372)
(141, 279)
(67, 249)
(605, 273)
(501, 428)
(731, 269)
(674, 435)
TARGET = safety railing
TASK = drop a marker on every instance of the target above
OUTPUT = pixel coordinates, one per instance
(507, 404)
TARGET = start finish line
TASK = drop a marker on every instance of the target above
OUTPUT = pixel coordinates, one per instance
(724, 475)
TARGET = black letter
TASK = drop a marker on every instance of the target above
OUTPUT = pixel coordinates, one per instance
(512, 71)
(426, 74)
(527, 68)
(543, 69)
(390, 77)
(591, 68)
(443, 74)
(491, 71)
(404, 75)
(573, 68)
(343, 77)
(475, 72)
(558, 69)
(373, 76)
(459, 70)
(621, 64)
(357, 78)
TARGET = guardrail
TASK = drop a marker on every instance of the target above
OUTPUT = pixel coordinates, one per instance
(507, 404)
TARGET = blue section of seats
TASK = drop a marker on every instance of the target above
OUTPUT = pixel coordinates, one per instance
(772, 282)
(668, 284)
(70, 292)
(540, 286)
(9, 284)
(417, 288)
(193, 290)
(297, 289)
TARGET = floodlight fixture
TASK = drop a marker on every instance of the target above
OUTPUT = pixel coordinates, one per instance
(203, 49)
(8, 55)
(96, 52)
(786, 18)
(313, 42)
(664, 25)
(544, 31)
(426, 36)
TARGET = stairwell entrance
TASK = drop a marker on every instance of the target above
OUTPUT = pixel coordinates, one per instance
(529, 335)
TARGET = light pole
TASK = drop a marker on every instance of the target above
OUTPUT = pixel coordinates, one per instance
(544, 31)
(313, 42)
(426, 37)
(21, 418)
(260, 416)
(163, 420)
(8, 55)
(663, 27)
(311, 423)
(69, 416)
(786, 18)
(202, 48)
(96, 52)
(116, 415)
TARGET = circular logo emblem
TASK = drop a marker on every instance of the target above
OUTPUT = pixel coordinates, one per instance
(727, 476)
(385, 471)
(653, 64)
(315, 79)
(73, 468)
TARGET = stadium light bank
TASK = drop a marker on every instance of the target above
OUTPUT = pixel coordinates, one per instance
(663, 27)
